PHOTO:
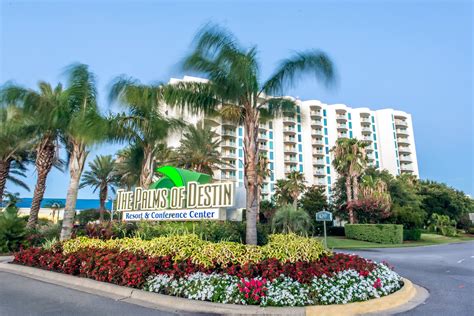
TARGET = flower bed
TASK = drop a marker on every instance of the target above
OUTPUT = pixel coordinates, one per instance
(271, 275)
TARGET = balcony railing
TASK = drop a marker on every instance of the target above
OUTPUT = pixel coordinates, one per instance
(291, 149)
(319, 172)
(401, 123)
(315, 113)
(227, 132)
(366, 129)
(317, 132)
(316, 122)
(341, 117)
(290, 139)
(289, 130)
(317, 142)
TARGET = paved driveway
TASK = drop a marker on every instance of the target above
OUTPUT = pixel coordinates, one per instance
(447, 271)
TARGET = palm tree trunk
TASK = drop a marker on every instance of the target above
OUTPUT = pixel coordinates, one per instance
(44, 162)
(4, 171)
(102, 198)
(76, 165)
(146, 175)
(251, 177)
(349, 199)
(355, 187)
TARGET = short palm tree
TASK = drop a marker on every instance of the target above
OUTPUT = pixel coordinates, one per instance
(84, 127)
(45, 109)
(350, 161)
(289, 219)
(143, 124)
(295, 185)
(102, 175)
(236, 91)
(199, 150)
(14, 145)
(128, 166)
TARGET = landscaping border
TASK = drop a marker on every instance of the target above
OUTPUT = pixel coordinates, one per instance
(408, 297)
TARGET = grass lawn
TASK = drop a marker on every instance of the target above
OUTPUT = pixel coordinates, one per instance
(426, 240)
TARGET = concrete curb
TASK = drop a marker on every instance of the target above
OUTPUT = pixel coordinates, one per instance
(408, 297)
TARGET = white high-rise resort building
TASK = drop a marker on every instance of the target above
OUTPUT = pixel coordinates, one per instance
(303, 142)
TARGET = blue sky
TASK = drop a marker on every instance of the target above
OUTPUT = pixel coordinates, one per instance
(415, 56)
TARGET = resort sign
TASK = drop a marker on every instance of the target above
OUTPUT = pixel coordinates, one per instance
(179, 195)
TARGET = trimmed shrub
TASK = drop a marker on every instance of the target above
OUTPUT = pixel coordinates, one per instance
(379, 233)
(412, 234)
(336, 231)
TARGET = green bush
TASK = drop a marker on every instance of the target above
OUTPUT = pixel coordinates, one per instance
(411, 234)
(12, 229)
(90, 215)
(289, 219)
(336, 231)
(379, 233)
(470, 230)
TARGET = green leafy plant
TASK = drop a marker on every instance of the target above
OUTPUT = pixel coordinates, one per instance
(442, 224)
(12, 229)
(289, 219)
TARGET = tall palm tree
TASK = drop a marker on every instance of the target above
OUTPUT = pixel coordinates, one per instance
(143, 124)
(102, 175)
(263, 171)
(350, 161)
(14, 145)
(236, 91)
(85, 127)
(199, 150)
(45, 109)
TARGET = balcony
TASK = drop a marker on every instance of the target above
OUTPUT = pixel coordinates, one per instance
(289, 120)
(290, 170)
(228, 155)
(228, 176)
(404, 149)
(401, 123)
(318, 162)
(367, 139)
(228, 144)
(365, 119)
(341, 117)
(262, 136)
(315, 113)
(366, 130)
(319, 173)
(317, 132)
(342, 126)
(228, 166)
(289, 130)
(228, 132)
(403, 140)
(316, 123)
(405, 158)
(291, 160)
(403, 131)
(290, 140)
(317, 142)
(262, 147)
(342, 135)
(319, 181)
(229, 124)
(406, 168)
(318, 153)
(262, 126)
(290, 150)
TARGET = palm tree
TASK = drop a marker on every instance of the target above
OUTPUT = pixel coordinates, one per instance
(102, 176)
(14, 145)
(85, 127)
(236, 91)
(350, 161)
(143, 125)
(199, 150)
(45, 109)
(55, 206)
(295, 185)
(289, 219)
(128, 166)
(263, 171)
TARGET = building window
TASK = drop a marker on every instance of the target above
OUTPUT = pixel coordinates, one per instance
(271, 166)
(325, 131)
(349, 116)
(376, 155)
(240, 131)
(241, 175)
(297, 109)
(373, 128)
(350, 124)
(325, 122)
(329, 180)
(241, 153)
(375, 137)
(271, 145)
(324, 113)
(327, 150)
(299, 138)
(328, 169)
(301, 157)
(375, 146)
(240, 142)
(373, 120)
(327, 160)
(350, 134)
(299, 118)
(301, 168)
(299, 128)
(270, 125)
(271, 134)
(300, 147)
(326, 141)
(271, 155)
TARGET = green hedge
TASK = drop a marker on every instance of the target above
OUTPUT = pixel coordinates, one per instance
(411, 234)
(379, 233)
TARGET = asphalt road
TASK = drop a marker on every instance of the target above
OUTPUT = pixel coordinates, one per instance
(447, 271)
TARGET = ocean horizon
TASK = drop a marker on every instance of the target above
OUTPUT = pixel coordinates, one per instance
(82, 204)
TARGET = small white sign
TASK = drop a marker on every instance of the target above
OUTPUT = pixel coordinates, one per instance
(173, 215)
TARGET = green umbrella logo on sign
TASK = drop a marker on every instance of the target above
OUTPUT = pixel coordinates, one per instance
(176, 177)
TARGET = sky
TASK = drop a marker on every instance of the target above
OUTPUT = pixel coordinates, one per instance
(415, 56)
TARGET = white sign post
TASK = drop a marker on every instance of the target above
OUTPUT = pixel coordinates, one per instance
(324, 216)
